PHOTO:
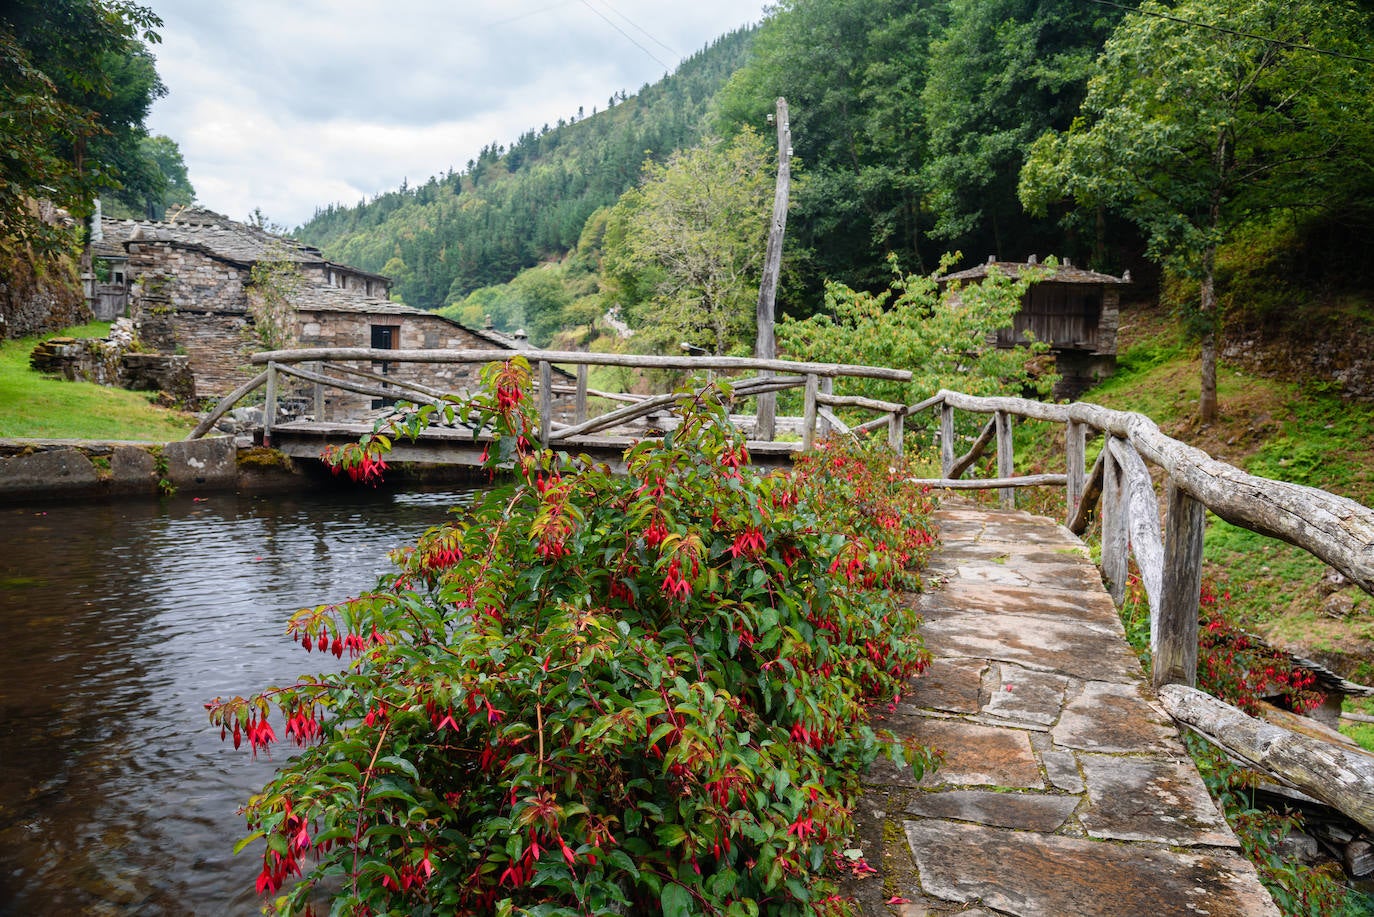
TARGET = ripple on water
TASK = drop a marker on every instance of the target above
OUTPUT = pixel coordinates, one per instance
(116, 796)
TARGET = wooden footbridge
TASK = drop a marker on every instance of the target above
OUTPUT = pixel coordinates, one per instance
(563, 398)
(1065, 789)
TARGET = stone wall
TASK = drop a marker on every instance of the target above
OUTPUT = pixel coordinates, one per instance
(173, 277)
(30, 304)
(416, 332)
(189, 302)
(91, 360)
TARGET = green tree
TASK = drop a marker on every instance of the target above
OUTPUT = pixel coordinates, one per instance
(852, 73)
(76, 82)
(165, 183)
(945, 337)
(1002, 72)
(1205, 114)
(697, 225)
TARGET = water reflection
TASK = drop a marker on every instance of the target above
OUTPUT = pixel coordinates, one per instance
(117, 623)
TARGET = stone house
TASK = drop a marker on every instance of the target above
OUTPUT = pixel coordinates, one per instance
(1075, 311)
(187, 283)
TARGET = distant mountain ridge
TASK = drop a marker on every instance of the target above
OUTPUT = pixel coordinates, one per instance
(514, 207)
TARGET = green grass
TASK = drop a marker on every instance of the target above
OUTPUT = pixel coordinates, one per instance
(37, 406)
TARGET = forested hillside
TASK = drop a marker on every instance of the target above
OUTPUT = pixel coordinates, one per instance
(515, 206)
(1209, 141)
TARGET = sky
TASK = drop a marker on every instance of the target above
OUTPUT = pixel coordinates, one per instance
(292, 106)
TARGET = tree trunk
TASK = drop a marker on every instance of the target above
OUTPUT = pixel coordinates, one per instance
(1207, 397)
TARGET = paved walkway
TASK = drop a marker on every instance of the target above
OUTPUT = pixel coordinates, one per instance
(1065, 791)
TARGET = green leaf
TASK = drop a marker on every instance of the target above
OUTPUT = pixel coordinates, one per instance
(676, 901)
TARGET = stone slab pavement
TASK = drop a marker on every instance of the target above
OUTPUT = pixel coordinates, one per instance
(1064, 790)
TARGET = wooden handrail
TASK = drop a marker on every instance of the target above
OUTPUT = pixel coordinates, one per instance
(575, 358)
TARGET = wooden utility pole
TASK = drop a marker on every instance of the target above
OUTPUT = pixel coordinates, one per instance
(766, 346)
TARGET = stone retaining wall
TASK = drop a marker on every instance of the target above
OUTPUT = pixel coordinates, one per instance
(48, 469)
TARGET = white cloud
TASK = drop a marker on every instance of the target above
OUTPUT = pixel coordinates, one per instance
(289, 107)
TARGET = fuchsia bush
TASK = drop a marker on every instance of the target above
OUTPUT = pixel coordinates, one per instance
(598, 693)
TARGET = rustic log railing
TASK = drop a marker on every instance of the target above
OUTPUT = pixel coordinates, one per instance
(815, 379)
(1335, 529)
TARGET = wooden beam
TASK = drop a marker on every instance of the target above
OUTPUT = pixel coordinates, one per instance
(809, 412)
(975, 452)
(580, 398)
(1006, 464)
(831, 420)
(946, 440)
(545, 401)
(824, 417)
(269, 406)
(1114, 540)
(894, 431)
(858, 401)
(226, 404)
(1075, 460)
(1340, 778)
(765, 346)
(1173, 644)
(577, 357)
(1142, 520)
(1092, 495)
(1027, 480)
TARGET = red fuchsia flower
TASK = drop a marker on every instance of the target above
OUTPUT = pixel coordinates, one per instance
(749, 543)
(674, 586)
(259, 733)
(655, 533)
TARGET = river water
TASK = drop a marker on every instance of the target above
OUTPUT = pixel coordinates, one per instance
(118, 621)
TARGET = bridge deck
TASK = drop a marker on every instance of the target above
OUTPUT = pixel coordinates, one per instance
(456, 446)
(1065, 790)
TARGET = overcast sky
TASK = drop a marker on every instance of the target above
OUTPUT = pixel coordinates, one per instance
(290, 106)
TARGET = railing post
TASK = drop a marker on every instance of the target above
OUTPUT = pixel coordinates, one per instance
(946, 440)
(269, 407)
(1114, 527)
(1075, 450)
(1006, 464)
(318, 393)
(1173, 641)
(580, 403)
(823, 425)
(895, 423)
(809, 414)
(545, 402)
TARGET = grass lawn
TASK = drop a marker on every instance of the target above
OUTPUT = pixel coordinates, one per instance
(37, 406)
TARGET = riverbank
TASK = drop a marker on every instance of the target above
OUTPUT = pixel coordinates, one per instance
(33, 470)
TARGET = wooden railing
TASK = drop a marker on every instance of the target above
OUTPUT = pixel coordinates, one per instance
(1168, 555)
(325, 367)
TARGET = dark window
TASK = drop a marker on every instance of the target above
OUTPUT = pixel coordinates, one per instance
(384, 337)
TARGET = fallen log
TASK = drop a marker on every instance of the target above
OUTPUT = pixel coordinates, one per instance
(1340, 778)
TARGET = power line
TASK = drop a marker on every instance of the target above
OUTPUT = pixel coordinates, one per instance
(628, 37)
(1217, 28)
(517, 17)
(671, 50)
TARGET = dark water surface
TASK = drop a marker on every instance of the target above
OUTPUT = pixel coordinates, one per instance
(118, 622)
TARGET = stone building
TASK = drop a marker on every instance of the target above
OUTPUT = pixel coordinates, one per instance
(187, 283)
(1075, 311)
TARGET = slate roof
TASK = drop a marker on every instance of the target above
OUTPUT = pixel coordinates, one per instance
(196, 227)
(1064, 273)
(312, 298)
